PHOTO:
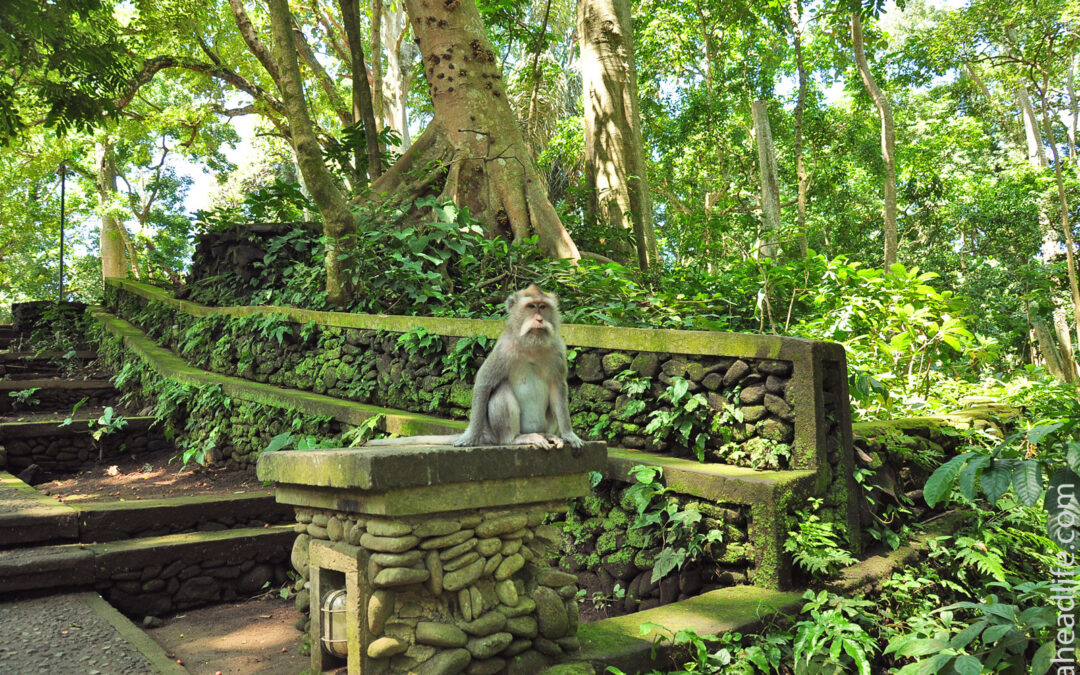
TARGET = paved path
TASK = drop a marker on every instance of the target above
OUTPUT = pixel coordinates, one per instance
(75, 633)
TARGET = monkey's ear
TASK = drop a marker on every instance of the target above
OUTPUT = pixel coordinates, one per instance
(511, 300)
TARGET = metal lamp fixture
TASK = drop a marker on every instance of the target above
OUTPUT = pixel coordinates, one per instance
(335, 637)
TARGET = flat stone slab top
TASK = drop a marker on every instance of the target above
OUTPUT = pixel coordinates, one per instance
(381, 467)
(75, 633)
(28, 516)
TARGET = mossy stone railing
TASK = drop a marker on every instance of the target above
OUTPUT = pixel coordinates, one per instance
(811, 383)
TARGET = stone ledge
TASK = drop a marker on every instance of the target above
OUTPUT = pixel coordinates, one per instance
(111, 521)
(743, 345)
(27, 516)
(170, 365)
(715, 482)
(55, 384)
(382, 467)
(133, 635)
(77, 427)
(113, 556)
(65, 565)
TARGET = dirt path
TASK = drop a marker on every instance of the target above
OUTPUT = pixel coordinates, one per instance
(148, 476)
(247, 637)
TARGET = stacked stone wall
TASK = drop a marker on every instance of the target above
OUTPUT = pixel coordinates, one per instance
(751, 396)
(455, 590)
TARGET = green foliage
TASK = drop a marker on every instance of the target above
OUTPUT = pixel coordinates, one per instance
(816, 542)
(718, 655)
(999, 635)
(420, 342)
(900, 332)
(834, 639)
(1022, 461)
(25, 397)
(279, 202)
(662, 521)
(69, 59)
(464, 350)
(689, 420)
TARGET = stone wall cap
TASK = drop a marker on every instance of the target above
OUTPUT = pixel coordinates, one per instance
(384, 467)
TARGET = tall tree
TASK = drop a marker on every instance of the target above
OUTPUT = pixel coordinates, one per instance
(770, 184)
(614, 154)
(888, 134)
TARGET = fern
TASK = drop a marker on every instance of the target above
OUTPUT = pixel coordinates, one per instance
(986, 559)
(815, 545)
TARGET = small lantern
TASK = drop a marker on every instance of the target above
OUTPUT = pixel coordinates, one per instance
(335, 638)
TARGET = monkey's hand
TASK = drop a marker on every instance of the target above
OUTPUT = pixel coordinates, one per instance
(543, 441)
(572, 439)
(467, 439)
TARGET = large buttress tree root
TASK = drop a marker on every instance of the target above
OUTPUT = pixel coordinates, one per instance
(473, 152)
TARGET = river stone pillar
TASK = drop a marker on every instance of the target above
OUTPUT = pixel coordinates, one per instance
(442, 551)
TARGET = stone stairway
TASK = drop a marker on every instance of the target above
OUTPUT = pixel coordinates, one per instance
(146, 557)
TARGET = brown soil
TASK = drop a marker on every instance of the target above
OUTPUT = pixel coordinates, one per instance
(149, 476)
(251, 636)
(85, 415)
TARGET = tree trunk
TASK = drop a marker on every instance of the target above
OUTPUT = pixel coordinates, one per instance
(888, 136)
(1048, 348)
(376, 63)
(490, 170)
(1064, 339)
(800, 106)
(1035, 153)
(399, 71)
(770, 186)
(361, 91)
(338, 221)
(114, 261)
(1063, 207)
(614, 156)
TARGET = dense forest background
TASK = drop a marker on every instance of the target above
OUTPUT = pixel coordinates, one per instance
(898, 178)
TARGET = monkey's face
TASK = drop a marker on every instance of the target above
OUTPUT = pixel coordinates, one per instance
(537, 318)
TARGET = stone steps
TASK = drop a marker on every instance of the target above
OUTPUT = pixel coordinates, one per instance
(56, 394)
(31, 518)
(65, 449)
(112, 566)
(147, 557)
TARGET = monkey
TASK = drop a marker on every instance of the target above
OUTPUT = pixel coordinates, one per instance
(520, 396)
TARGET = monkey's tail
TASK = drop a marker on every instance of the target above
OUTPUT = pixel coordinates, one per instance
(447, 439)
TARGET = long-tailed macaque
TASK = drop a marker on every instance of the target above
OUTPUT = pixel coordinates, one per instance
(520, 394)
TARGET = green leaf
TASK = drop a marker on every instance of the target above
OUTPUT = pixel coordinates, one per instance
(1027, 481)
(679, 389)
(996, 632)
(938, 485)
(970, 474)
(855, 651)
(964, 637)
(1040, 663)
(1041, 431)
(1073, 456)
(280, 441)
(967, 665)
(995, 480)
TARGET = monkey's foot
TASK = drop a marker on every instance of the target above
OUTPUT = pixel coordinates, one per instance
(544, 441)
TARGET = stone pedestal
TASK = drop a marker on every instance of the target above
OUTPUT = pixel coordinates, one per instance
(442, 552)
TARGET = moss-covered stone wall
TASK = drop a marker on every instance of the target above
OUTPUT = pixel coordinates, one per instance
(613, 560)
(206, 424)
(66, 449)
(762, 400)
